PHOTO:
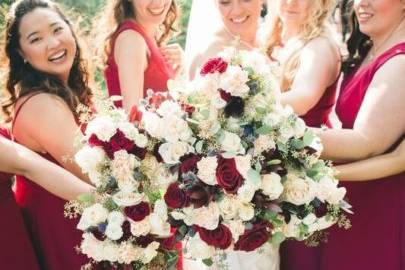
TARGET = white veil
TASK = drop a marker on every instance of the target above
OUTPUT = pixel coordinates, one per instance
(205, 21)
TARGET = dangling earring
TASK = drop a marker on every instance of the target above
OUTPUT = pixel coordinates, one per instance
(25, 61)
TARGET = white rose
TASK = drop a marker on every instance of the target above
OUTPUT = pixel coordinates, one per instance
(116, 218)
(271, 185)
(327, 190)
(124, 199)
(149, 252)
(246, 193)
(198, 249)
(141, 140)
(246, 211)
(140, 228)
(243, 164)
(162, 177)
(129, 130)
(207, 216)
(103, 127)
(207, 167)
(159, 226)
(152, 123)
(229, 207)
(114, 232)
(170, 107)
(234, 80)
(90, 158)
(92, 216)
(272, 119)
(298, 190)
(231, 142)
(172, 152)
(286, 132)
(175, 129)
(122, 167)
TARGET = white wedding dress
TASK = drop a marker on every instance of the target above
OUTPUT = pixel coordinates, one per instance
(266, 259)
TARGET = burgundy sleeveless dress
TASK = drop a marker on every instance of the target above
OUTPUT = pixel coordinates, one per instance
(16, 251)
(376, 240)
(54, 237)
(296, 255)
(156, 74)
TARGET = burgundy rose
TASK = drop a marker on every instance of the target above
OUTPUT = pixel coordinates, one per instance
(169, 243)
(321, 210)
(228, 176)
(214, 65)
(221, 237)
(175, 197)
(95, 141)
(97, 234)
(225, 95)
(189, 163)
(253, 238)
(137, 212)
(119, 142)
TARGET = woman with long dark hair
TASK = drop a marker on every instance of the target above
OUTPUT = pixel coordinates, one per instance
(46, 81)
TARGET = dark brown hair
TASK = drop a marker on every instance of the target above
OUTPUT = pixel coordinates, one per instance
(116, 12)
(358, 44)
(22, 79)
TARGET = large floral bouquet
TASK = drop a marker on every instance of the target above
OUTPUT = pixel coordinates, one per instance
(246, 169)
(125, 222)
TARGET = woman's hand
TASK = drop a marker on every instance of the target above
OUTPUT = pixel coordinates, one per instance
(174, 56)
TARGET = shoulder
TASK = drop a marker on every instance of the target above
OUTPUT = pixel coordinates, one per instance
(392, 70)
(130, 39)
(322, 45)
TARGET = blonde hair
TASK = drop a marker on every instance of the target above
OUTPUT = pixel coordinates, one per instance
(314, 26)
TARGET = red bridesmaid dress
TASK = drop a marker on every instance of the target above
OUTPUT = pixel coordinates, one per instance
(376, 240)
(54, 237)
(156, 74)
(16, 251)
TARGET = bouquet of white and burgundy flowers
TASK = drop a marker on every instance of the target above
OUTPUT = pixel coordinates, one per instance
(247, 169)
(125, 222)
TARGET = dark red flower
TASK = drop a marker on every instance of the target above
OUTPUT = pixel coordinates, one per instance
(126, 228)
(144, 241)
(214, 65)
(95, 141)
(225, 95)
(221, 237)
(169, 243)
(139, 152)
(97, 234)
(189, 163)
(175, 197)
(253, 238)
(137, 212)
(188, 109)
(228, 176)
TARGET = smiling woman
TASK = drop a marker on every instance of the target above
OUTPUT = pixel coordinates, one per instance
(45, 74)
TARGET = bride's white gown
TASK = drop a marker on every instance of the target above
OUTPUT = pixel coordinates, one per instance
(267, 259)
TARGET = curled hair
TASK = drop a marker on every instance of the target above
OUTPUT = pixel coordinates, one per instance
(115, 12)
(314, 26)
(358, 44)
(22, 79)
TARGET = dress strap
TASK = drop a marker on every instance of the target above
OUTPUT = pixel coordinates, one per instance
(17, 111)
(394, 51)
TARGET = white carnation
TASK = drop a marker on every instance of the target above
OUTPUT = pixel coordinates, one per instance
(90, 158)
(231, 143)
(206, 216)
(149, 252)
(141, 227)
(234, 80)
(124, 199)
(170, 107)
(113, 231)
(246, 193)
(152, 123)
(228, 207)
(198, 249)
(116, 218)
(246, 211)
(175, 129)
(172, 152)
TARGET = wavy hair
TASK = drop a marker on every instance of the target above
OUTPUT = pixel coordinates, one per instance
(21, 79)
(314, 26)
(114, 13)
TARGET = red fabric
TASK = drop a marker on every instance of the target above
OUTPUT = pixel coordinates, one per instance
(15, 246)
(156, 74)
(377, 237)
(296, 255)
(54, 237)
